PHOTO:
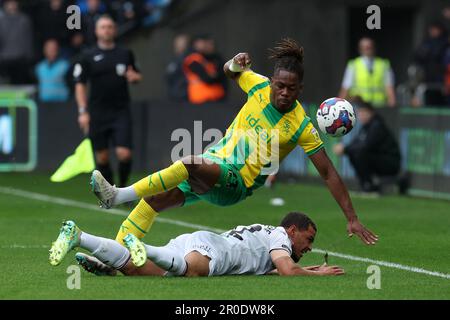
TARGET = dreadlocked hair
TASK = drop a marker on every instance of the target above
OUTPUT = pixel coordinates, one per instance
(288, 55)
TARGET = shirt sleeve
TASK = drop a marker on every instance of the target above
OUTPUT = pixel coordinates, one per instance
(279, 240)
(249, 79)
(310, 140)
(389, 77)
(347, 81)
(80, 71)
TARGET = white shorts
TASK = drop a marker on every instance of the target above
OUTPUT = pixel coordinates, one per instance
(208, 244)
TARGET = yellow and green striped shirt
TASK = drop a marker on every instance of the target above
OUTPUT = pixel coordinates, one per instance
(249, 142)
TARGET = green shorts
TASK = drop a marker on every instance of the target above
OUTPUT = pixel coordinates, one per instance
(230, 188)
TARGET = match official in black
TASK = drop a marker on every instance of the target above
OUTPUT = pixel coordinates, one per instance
(106, 116)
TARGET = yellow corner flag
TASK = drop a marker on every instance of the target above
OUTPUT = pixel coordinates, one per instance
(82, 161)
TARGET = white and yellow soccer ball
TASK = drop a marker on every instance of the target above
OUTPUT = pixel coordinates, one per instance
(336, 117)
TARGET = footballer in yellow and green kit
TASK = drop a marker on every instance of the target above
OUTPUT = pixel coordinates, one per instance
(234, 152)
(268, 127)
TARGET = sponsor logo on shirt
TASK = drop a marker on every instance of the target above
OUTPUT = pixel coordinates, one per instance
(202, 247)
(98, 57)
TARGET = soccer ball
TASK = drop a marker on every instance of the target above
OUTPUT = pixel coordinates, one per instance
(336, 117)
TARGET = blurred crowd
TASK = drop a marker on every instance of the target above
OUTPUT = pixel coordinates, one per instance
(37, 47)
(430, 72)
(195, 74)
(371, 78)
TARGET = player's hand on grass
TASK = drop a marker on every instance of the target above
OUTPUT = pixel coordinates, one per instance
(83, 121)
(243, 60)
(367, 236)
(326, 270)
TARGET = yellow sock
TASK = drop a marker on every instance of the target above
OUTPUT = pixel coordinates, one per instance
(161, 181)
(138, 222)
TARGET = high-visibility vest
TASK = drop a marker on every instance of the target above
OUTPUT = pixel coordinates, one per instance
(370, 86)
(199, 91)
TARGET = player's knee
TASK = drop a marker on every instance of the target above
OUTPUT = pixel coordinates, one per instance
(166, 200)
(192, 164)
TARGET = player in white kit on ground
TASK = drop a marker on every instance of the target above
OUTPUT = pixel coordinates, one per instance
(256, 249)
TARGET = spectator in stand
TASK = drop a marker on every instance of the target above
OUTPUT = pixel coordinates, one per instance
(430, 57)
(16, 44)
(76, 44)
(51, 23)
(374, 151)
(84, 8)
(51, 73)
(203, 70)
(369, 77)
(128, 13)
(89, 19)
(176, 80)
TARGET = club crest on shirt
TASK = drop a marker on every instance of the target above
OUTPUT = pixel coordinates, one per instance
(120, 69)
(286, 126)
(77, 70)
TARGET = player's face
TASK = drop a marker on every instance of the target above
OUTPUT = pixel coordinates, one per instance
(302, 241)
(105, 30)
(285, 87)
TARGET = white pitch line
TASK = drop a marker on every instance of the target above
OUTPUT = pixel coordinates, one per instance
(83, 205)
(384, 263)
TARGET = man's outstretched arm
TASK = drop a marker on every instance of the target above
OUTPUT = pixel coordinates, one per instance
(285, 266)
(339, 191)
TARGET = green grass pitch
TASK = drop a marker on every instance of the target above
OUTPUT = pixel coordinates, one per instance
(413, 232)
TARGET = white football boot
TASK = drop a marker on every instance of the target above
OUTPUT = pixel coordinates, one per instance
(104, 191)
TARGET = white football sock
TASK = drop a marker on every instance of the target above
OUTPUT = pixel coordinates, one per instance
(167, 259)
(126, 194)
(107, 251)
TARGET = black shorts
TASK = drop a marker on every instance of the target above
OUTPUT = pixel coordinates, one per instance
(113, 130)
